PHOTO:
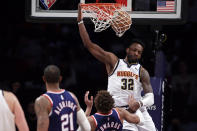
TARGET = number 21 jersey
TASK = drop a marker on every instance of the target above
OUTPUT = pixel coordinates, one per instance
(63, 115)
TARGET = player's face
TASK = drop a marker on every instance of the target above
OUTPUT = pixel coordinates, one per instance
(134, 52)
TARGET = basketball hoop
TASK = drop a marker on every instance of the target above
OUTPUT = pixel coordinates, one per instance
(104, 15)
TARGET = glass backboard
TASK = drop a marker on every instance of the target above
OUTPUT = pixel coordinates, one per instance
(141, 11)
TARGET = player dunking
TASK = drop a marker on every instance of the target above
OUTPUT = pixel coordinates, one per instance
(58, 109)
(125, 77)
(108, 118)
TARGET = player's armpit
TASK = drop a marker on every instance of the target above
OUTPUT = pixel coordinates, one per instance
(41, 109)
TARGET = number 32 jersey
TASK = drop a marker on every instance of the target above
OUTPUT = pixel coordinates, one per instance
(63, 115)
(125, 81)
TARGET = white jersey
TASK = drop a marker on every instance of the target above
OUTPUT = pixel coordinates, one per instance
(6, 116)
(125, 81)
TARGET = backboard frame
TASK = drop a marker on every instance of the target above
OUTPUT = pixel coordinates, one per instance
(138, 17)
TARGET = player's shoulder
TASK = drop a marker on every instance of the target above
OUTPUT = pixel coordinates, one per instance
(10, 99)
(9, 95)
(143, 70)
(118, 110)
(41, 100)
(144, 74)
(121, 112)
(73, 96)
(142, 67)
(90, 118)
(42, 104)
(92, 122)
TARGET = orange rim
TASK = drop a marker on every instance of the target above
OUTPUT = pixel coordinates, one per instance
(109, 8)
(117, 5)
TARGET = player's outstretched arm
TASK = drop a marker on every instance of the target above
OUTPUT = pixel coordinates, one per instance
(42, 112)
(108, 58)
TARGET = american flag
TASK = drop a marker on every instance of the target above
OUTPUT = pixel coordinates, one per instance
(166, 6)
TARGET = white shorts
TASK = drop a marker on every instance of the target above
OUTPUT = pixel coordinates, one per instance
(147, 126)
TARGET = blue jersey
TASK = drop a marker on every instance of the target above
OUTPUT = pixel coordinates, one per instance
(63, 115)
(110, 122)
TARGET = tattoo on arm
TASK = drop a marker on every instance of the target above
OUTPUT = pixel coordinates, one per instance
(41, 109)
(145, 79)
(38, 108)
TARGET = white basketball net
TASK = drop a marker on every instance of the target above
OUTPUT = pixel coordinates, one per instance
(106, 16)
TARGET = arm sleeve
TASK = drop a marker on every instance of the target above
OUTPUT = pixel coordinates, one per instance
(148, 99)
(83, 122)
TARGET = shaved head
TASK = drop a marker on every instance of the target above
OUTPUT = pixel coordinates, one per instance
(52, 74)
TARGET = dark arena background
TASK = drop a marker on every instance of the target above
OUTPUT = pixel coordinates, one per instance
(170, 57)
